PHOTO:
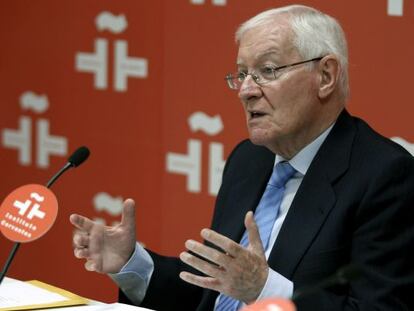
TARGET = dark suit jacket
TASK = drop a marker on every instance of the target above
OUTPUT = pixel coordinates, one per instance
(353, 205)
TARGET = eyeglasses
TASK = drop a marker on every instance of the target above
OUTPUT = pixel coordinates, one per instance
(262, 76)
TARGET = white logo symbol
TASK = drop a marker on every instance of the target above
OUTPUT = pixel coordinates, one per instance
(395, 7)
(215, 2)
(108, 21)
(97, 62)
(34, 211)
(406, 144)
(103, 202)
(209, 125)
(21, 138)
(190, 164)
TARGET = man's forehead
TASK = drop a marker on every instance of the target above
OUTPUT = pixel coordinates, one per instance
(263, 42)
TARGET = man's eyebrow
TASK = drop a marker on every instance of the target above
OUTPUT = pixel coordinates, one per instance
(261, 55)
(268, 52)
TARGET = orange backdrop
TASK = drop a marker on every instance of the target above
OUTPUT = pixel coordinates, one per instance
(141, 84)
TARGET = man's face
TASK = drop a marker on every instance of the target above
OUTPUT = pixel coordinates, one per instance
(281, 113)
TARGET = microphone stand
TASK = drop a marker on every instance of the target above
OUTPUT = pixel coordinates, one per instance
(9, 260)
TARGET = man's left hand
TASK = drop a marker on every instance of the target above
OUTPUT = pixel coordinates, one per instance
(237, 272)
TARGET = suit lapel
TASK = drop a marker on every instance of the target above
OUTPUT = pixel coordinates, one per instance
(245, 195)
(306, 215)
(314, 198)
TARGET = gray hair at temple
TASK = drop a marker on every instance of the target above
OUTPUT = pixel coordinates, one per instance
(315, 34)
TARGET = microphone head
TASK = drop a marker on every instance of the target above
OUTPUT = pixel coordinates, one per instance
(79, 156)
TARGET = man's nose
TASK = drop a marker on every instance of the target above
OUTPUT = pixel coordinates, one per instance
(249, 88)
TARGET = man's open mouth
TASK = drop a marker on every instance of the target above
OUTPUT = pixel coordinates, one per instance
(256, 114)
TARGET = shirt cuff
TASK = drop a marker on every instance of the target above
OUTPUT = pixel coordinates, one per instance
(276, 286)
(135, 275)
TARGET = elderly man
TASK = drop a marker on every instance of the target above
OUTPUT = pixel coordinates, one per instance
(325, 189)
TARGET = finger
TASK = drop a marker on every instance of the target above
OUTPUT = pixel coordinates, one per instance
(81, 222)
(208, 253)
(90, 265)
(229, 246)
(253, 231)
(96, 240)
(201, 281)
(80, 240)
(201, 265)
(81, 253)
(94, 263)
(128, 213)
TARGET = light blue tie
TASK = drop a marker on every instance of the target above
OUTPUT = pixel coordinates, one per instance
(265, 216)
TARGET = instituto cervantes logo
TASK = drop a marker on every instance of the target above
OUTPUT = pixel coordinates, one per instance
(20, 139)
(28, 213)
(190, 164)
(97, 62)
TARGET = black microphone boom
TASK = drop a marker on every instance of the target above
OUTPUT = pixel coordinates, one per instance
(76, 159)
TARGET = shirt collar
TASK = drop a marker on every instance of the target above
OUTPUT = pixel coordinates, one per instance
(302, 160)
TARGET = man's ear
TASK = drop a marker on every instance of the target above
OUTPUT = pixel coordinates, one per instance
(329, 68)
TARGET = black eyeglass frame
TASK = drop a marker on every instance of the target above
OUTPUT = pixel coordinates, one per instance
(230, 77)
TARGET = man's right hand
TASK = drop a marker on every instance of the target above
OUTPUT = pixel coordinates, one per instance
(106, 249)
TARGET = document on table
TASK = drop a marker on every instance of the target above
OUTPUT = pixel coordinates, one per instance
(105, 307)
(18, 295)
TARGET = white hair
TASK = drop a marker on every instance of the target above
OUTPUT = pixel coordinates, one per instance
(315, 34)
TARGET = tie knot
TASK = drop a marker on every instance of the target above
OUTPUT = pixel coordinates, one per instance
(282, 172)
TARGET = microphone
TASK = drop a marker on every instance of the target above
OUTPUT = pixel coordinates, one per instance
(344, 275)
(76, 159)
(79, 156)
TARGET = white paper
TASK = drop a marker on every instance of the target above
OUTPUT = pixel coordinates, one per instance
(14, 293)
(105, 307)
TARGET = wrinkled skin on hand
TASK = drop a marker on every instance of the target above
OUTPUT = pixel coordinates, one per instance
(238, 272)
(106, 248)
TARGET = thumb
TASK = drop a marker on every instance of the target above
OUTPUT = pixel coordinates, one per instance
(128, 213)
(255, 243)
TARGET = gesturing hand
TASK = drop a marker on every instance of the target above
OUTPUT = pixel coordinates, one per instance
(239, 272)
(106, 249)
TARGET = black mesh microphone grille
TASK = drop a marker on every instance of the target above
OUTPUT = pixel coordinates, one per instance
(79, 156)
